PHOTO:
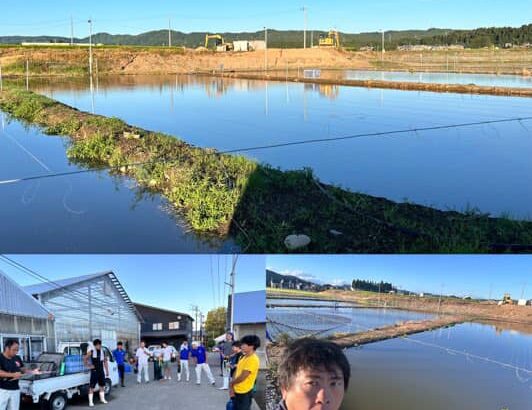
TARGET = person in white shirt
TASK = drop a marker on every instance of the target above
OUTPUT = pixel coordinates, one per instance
(142, 356)
(167, 352)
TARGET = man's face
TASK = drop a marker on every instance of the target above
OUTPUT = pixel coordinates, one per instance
(142, 344)
(315, 389)
(228, 337)
(247, 349)
(98, 347)
(236, 349)
(120, 347)
(11, 351)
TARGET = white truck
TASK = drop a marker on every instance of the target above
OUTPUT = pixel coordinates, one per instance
(55, 385)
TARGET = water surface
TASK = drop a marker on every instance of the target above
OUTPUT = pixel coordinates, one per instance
(470, 366)
(486, 167)
(90, 212)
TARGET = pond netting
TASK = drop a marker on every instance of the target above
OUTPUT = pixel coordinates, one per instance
(304, 323)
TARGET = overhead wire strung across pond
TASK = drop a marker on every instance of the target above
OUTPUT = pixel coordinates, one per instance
(469, 356)
(271, 146)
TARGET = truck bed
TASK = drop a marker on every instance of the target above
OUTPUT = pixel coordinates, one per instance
(37, 387)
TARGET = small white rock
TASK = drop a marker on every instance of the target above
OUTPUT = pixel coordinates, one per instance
(293, 242)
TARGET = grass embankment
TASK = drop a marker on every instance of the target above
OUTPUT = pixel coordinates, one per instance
(221, 194)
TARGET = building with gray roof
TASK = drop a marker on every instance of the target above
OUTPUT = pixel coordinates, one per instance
(24, 319)
(89, 307)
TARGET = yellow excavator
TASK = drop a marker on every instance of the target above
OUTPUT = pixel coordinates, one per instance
(331, 40)
(220, 43)
(507, 300)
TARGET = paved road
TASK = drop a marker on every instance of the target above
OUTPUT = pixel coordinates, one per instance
(163, 395)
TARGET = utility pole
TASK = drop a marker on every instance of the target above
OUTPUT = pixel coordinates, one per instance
(305, 10)
(382, 48)
(195, 309)
(71, 31)
(169, 32)
(312, 39)
(266, 49)
(439, 300)
(201, 326)
(1, 84)
(90, 47)
(231, 285)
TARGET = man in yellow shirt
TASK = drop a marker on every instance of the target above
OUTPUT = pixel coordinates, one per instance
(241, 387)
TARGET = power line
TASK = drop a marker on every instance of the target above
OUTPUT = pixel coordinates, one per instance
(261, 147)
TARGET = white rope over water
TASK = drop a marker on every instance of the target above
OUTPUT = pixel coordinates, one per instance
(470, 356)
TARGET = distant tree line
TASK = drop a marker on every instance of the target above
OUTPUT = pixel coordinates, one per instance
(481, 37)
(371, 286)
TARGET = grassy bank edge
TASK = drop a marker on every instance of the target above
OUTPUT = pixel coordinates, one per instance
(222, 195)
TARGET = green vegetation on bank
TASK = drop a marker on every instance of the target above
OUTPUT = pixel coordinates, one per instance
(259, 206)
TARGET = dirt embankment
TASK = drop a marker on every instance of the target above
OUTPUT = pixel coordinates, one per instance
(396, 85)
(129, 60)
(449, 306)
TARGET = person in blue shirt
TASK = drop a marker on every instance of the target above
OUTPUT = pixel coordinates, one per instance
(120, 356)
(200, 354)
(184, 354)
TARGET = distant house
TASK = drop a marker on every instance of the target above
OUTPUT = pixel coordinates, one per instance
(24, 319)
(89, 307)
(164, 325)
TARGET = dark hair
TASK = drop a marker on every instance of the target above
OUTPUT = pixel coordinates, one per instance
(97, 342)
(165, 343)
(120, 344)
(10, 342)
(237, 344)
(251, 340)
(309, 353)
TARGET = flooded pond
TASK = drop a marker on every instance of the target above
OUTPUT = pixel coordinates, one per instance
(297, 322)
(89, 212)
(489, 80)
(470, 366)
(483, 166)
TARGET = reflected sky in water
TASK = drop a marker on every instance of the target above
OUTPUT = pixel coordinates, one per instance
(484, 166)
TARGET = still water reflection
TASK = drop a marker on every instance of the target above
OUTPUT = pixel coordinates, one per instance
(484, 166)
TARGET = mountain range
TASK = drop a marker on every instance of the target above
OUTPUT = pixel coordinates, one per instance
(481, 37)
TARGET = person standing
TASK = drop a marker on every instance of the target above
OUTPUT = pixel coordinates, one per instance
(142, 355)
(167, 353)
(184, 354)
(96, 361)
(247, 369)
(235, 358)
(11, 370)
(200, 354)
(157, 364)
(226, 350)
(120, 356)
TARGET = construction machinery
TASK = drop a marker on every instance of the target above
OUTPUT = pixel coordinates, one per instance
(332, 39)
(220, 43)
(507, 300)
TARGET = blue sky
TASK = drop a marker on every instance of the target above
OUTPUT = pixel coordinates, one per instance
(33, 17)
(166, 281)
(461, 275)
